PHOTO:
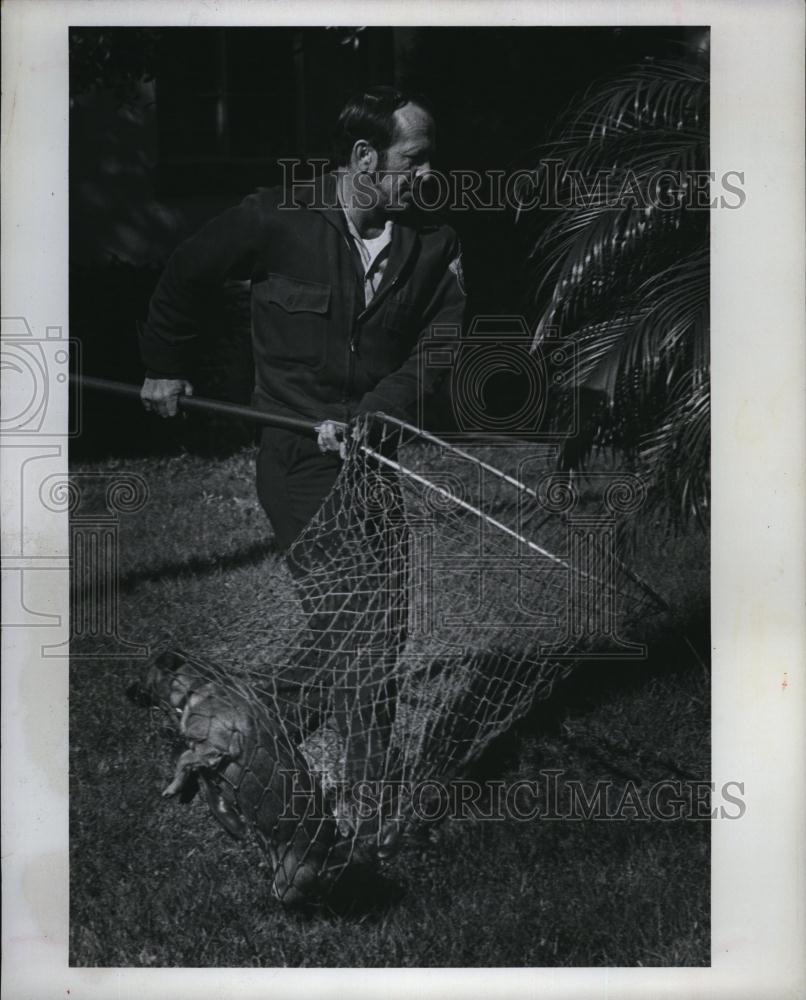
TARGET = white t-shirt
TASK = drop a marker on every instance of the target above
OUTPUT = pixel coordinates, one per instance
(374, 254)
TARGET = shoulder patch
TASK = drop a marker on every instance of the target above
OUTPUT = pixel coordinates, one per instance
(456, 266)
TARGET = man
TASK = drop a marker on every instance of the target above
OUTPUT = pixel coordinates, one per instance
(347, 283)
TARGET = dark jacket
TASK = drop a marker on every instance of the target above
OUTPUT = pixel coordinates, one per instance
(319, 352)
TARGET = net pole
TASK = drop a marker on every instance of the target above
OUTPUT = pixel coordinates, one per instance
(433, 439)
(200, 404)
(500, 474)
(417, 478)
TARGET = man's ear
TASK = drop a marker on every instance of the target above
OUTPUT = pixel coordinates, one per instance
(364, 157)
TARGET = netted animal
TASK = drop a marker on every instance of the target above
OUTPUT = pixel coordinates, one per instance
(252, 776)
(430, 602)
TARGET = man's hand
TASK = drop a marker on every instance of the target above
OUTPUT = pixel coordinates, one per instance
(331, 437)
(160, 395)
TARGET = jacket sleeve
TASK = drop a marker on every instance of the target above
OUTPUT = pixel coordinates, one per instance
(225, 248)
(399, 392)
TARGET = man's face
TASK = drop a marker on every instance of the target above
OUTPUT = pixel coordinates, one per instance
(408, 160)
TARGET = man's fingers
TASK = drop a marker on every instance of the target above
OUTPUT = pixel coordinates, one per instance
(172, 402)
(185, 389)
(329, 437)
(161, 396)
(324, 439)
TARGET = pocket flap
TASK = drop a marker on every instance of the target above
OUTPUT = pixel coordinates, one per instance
(399, 315)
(295, 295)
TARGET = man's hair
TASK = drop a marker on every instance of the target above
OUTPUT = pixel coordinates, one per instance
(370, 116)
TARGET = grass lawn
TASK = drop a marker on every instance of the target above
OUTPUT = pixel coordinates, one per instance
(158, 883)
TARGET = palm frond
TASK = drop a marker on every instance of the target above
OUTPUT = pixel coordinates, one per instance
(662, 94)
(624, 276)
(677, 453)
(607, 254)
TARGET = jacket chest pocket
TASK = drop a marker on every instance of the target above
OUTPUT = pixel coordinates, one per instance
(389, 337)
(399, 316)
(290, 319)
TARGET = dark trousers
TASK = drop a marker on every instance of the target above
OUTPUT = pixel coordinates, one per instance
(350, 567)
(293, 478)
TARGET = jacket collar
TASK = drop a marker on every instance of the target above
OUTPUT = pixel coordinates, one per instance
(321, 197)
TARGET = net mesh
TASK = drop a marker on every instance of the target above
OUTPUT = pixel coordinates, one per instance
(430, 602)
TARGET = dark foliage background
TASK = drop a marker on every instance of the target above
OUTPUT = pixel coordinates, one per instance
(626, 279)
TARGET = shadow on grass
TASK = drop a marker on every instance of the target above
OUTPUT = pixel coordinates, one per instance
(362, 894)
(669, 652)
(250, 555)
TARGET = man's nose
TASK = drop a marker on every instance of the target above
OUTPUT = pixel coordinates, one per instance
(423, 171)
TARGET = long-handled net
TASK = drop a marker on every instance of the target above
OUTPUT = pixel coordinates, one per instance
(430, 602)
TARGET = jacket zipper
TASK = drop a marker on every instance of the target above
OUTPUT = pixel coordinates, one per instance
(354, 336)
(352, 345)
(386, 291)
(351, 353)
